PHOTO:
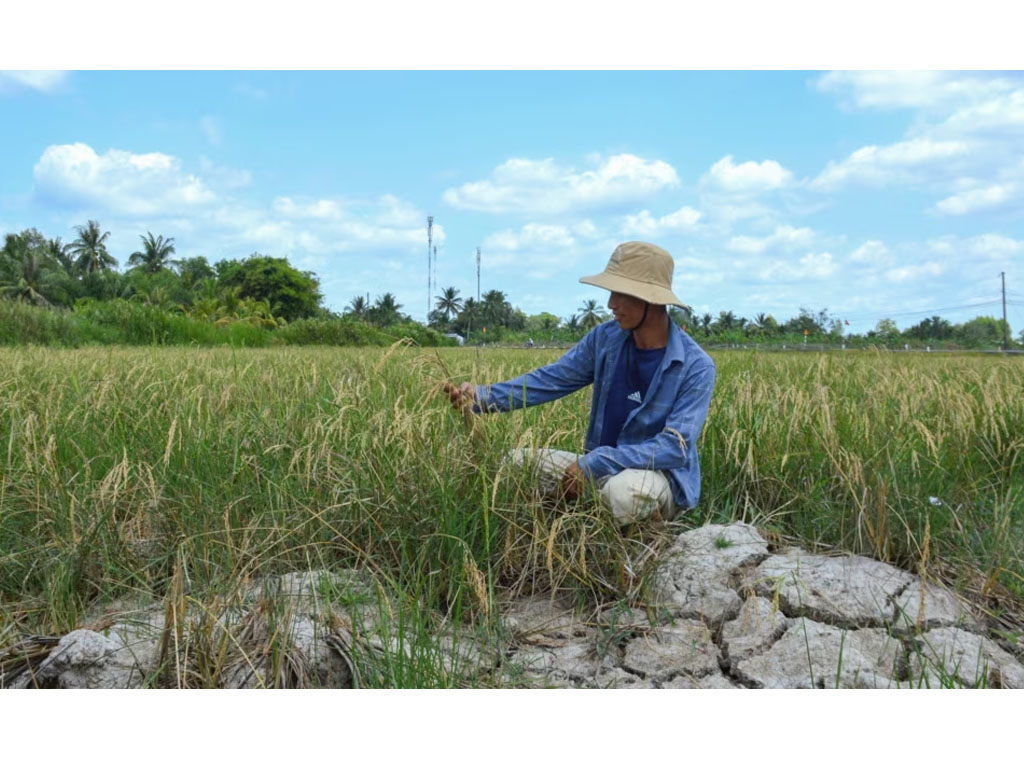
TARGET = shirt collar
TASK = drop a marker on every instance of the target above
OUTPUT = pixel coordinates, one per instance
(674, 350)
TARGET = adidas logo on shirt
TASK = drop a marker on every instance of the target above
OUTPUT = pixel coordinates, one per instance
(635, 397)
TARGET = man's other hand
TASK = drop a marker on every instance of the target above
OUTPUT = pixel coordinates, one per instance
(462, 396)
(572, 481)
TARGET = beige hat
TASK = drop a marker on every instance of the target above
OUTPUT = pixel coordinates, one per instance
(639, 269)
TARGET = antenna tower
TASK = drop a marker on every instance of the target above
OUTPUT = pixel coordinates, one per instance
(430, 240)
(1006, 328)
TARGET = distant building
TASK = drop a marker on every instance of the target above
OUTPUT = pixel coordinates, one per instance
(458, 339)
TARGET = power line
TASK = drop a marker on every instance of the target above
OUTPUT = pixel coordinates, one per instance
(905, 313)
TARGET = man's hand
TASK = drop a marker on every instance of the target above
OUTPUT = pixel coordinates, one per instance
(572, 481)
(462, 396)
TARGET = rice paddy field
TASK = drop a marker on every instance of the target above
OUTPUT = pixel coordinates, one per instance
(132, 473)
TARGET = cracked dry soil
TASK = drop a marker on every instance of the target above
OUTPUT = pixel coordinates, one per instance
(727, 612)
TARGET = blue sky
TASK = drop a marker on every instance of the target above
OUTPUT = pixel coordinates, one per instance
(874, 194)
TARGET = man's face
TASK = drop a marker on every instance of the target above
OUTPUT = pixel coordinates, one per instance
(628, 310)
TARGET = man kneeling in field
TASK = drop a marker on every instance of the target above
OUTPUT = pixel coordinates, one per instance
(652, 389)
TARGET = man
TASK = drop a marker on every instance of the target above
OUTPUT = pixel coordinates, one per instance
(652, 387)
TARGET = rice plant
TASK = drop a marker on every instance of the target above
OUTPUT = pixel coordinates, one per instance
(137, 473)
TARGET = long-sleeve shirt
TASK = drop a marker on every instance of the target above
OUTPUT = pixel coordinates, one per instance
(661, 434)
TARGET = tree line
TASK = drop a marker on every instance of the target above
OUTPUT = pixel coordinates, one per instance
(493, 318)
(268, 292)
(261, 290)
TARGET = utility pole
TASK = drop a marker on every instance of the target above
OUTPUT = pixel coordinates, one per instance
(1006, 341)
(430, 239)
(478, 274)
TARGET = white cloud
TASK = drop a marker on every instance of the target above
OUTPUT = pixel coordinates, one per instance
(74, 175)
(530, 236)
(332, 210)
(1004, 112)
(981, 198)
(785, 236)
(749, 178)
(646, 225)
(324, 228)
(585, 229)
(915, 272)
(913, 89)
(813, 266)
(903, 162)
(522, 185)
(963, 140)
(871, 252)
(33, 80)
(994, 246)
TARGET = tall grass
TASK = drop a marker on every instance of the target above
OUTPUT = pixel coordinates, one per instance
(131, 323)
(137, 472)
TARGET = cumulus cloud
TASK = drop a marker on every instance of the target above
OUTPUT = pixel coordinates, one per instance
(908, 89)
(530, 236)
(749, 178)
(521, 185)
(784, 236)
(813, 266)
(1002, 113)
(994, 246)
(978, 199)
(871, 252)
(644, 224)
(316, 232)
(43, 81)
(915, 272)
(75, 176)
(902, 162)
(963, 125)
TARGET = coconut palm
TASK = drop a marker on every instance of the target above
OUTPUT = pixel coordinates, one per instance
(155, 253)
(449, 302)
(705, 323)
(470, 317)
(590, 314)
(25, 274)
(495, 308)
(384, 311)
(90, 249)
(726, 320)
(357, 307)
(60, 252)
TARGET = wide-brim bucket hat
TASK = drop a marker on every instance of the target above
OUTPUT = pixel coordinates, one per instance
(639, 269)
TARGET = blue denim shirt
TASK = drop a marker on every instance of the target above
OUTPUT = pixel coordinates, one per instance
(661, 434)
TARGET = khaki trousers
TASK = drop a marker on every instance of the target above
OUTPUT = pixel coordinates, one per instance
(631, 495)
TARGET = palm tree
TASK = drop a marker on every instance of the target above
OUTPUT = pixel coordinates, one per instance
(24, 272)
(469, 318)
(591, 315)
(705, 323)
(61, 253)
(384, 311)
(357, 307)
(449, 302)
(90, 249)
(495, 308)
(726, 320)
(155, 254)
